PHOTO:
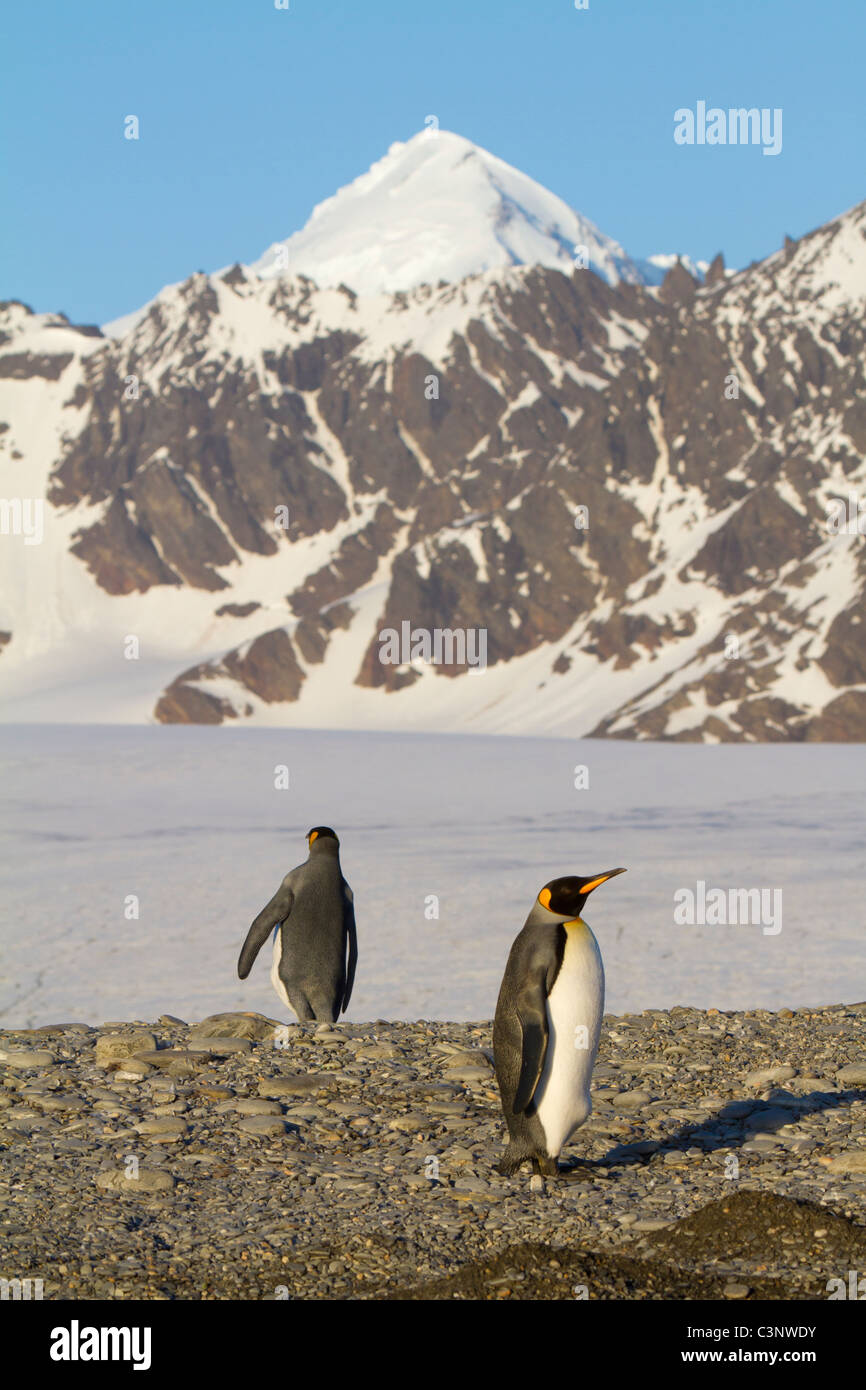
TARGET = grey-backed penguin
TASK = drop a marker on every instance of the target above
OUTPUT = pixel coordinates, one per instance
(312, 916)
(547, 1024)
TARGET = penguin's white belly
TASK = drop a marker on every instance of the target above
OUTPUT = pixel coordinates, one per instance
(279, 987)
(575, 1007)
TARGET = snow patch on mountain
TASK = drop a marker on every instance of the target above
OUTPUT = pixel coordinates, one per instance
(653, 269)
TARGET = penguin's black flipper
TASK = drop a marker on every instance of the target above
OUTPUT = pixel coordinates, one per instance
(349, 923)
(276, 911)
(532, 1014)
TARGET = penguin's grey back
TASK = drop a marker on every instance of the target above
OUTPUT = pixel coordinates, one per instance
(312, 919)
(314, 934)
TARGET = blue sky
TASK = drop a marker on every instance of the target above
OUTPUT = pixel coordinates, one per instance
(250, 115)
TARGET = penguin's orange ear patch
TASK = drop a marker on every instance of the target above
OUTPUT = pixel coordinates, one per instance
(313, 835)
(544, 897)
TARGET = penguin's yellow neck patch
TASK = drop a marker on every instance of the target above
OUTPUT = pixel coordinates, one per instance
(576, 923)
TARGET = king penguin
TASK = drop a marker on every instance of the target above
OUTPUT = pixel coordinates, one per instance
(547, 1024)
(312, 916)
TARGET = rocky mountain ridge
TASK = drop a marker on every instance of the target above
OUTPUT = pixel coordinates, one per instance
(627, 488)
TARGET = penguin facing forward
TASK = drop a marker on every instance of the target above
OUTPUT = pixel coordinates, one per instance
(312, 917)
(547, 1024)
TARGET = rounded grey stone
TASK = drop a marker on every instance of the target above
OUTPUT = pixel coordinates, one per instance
(23, 1057)
(264, 1126)
(147, 1181)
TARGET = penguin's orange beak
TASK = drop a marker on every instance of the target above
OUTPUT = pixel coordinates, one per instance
(601, 878)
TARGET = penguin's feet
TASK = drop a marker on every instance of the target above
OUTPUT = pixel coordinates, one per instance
(513, 1159)
(545, 1165)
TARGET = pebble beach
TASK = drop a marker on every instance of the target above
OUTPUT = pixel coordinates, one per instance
(240, 1158)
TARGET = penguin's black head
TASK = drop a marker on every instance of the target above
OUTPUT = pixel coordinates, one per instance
(322, 832)
(564, 898)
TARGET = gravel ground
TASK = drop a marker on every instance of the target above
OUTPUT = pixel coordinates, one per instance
(238, 1158)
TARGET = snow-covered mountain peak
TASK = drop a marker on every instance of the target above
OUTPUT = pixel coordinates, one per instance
(438, 207)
